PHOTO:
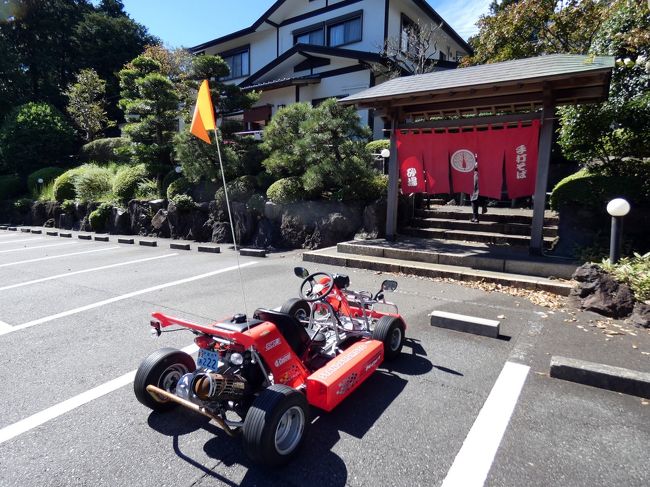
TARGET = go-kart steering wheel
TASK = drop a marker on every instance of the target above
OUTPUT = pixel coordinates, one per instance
(320, 290)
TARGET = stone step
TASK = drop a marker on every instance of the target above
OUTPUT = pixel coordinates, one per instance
(493, 215)
(474, 257)
(330, 256)
(483, 226)
(473, 236)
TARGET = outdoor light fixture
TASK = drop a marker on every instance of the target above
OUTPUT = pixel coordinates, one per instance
(178, 169)
(385, 153)
(617, 208)
(39, 180)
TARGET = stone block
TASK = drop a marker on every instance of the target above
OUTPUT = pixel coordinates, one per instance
(466, 324)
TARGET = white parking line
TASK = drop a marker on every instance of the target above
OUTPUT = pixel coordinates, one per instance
(121, 297)
(21, 240)
(37, 247)
(39, 259)
(4, 326)
(93, 269)
(31, 422)
(474, 460)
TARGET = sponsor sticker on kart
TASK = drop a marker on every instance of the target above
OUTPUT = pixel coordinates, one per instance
(272, 344)
(283, 360)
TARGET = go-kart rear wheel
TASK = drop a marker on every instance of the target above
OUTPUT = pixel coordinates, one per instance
(299, 308)
(163, 368)
(390, 331)
(275, 425)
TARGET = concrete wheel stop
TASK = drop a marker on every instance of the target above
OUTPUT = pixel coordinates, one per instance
(466, 324)
(608, 377)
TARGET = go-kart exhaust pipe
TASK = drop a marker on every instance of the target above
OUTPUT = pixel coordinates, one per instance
(157, 391)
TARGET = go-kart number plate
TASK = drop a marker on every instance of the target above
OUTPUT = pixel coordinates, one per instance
(208, 359)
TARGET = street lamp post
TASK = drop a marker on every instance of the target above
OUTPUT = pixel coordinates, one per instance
(385, 153)
(40, 185)
(617, 208)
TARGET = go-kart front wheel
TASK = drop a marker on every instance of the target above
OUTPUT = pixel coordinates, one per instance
(162, 368)
(275, 425)
(390, 331)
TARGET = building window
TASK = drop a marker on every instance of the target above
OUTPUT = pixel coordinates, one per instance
(344, 32)
(238, 63)
(408, 29)
(314, 37)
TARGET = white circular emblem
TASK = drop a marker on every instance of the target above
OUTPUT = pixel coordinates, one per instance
(463, 160)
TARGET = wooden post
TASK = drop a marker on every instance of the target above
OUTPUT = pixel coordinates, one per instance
(543, 162)
(393, 183)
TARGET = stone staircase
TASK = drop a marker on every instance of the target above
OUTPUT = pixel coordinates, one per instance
(440, 241)
(499, 226)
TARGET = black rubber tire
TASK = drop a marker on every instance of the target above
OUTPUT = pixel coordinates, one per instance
(152, 371)
(295, 307)
(262, 421)
(386, 331)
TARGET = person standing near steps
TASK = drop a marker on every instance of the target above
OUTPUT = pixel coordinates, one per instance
(476, 199)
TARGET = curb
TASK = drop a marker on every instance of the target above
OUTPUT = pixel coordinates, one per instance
(603, 376)
(101, 238)
(206, 248)
(466, 324)
(253, 252)
(126, 241)
(148, 243)
(179, 246)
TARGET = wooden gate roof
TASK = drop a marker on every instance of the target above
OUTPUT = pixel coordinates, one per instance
(506, 87)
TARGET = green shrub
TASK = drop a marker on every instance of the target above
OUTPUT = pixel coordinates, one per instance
(169, 178)
(633, 271)
(47, 174)
(33, 135)
(240, 190)
(64, 185)
(9, 186)
(372, 189)
(376, 146)
(23, 205)
(256, 204)
(184, 202)
(99, 217)
(93, 183)
(47, 192)
(68, 207)
(125, 184)
(179, 186)
(594, 190)
(286, 190)
(147, 190)
(103, 151)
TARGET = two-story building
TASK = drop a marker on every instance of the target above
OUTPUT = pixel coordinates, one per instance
(310, 50)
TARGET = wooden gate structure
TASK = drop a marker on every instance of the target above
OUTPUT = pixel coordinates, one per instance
(500, 93)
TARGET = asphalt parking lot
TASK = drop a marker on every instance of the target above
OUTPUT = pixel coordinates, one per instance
(454, 409)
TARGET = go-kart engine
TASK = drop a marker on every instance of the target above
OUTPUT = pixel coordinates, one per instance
(212, 386)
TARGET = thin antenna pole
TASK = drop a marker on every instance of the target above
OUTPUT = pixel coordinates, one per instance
(232, 223)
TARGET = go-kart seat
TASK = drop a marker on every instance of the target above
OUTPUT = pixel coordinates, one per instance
(296, 335)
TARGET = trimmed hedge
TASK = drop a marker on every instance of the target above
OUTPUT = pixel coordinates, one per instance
(47, 174)
(240, 189)
(64, 185)
(179, 186)
(286, 190)
(9, 186)
(103, 151)
(594, 190)
(125, 184)
(184, 202)
(376, 146)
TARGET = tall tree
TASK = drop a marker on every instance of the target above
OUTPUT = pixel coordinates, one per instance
(86, 104)
(43, 43)
(528, 28)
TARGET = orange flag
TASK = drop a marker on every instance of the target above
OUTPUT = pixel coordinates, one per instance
(203, 119)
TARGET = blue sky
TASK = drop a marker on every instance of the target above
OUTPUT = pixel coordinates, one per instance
(191, 22)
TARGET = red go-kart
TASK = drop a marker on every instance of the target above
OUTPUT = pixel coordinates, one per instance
(259, 376)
